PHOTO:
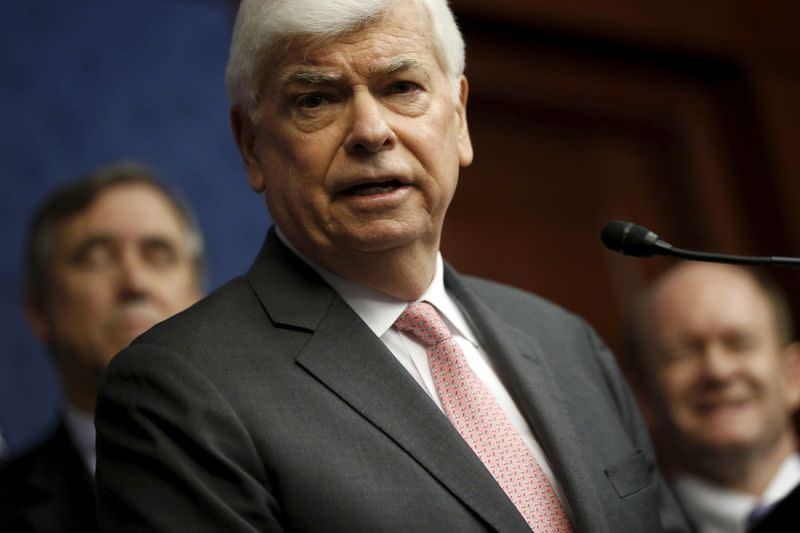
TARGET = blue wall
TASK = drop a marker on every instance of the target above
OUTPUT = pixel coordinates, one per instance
(85, 83)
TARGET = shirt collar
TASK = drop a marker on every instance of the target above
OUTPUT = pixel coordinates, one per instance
(785, 480)
(380, 311)
(81, 428)
(709, 504)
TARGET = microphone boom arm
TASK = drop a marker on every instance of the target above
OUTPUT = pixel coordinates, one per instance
(637, 241)
(732, 259)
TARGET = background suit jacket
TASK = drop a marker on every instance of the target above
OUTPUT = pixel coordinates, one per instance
(784, 516)
(47, 489)
(271, 405)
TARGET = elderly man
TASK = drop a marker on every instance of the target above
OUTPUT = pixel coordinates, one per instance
(351, 380)
(108, 256)
(721, 377)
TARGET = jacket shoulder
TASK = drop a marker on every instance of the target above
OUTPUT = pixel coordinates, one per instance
(228, 310)
(518, 306)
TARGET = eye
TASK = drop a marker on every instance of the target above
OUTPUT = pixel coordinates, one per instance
(159, 253)
(312, 101)
(740, 342)
(94, 254)
(682, 350)
(403, 87)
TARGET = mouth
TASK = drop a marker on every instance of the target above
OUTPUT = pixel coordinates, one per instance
(373, 187)
(721, 406)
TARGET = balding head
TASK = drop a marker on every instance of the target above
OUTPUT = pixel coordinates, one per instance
(710, 291)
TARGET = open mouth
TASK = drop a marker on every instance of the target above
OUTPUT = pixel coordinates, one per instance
(369, 189)
(722, 406)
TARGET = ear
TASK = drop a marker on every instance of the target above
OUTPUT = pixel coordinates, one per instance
(244, 131)
(464, 141)
(37, 320)
(791, 359)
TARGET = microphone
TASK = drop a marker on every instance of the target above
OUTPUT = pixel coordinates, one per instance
(637, 241)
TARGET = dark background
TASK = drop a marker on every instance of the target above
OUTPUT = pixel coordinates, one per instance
(683, 116)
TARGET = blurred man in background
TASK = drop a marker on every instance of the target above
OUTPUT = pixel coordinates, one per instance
(720, 377)
(107, 257)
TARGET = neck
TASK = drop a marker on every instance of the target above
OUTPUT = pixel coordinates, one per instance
(403, 273)
(745, 471)
(80, 390)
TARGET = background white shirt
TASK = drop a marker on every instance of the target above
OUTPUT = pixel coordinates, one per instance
(715, 509)
(80, 427)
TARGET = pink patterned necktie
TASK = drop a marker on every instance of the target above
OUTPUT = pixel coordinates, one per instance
(477, 416)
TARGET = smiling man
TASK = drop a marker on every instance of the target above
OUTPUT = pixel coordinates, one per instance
(108, 256)
(352, 380)
(722, 379)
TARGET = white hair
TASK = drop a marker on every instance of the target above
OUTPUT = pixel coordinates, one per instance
(261, 24)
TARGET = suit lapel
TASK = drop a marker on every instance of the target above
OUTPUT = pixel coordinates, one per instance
(527, 374)
(345, 356)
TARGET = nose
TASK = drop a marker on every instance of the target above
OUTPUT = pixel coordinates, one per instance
(718, 363)
(134, 277)
(369, 131)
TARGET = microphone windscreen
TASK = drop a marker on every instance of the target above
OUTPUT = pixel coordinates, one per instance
(628, 238)
(614, 234)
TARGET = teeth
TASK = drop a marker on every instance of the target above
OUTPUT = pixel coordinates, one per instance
(376, 188)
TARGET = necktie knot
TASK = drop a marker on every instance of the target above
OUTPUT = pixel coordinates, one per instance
(421, 320)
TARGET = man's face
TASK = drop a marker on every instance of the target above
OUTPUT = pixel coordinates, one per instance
(116, 269)
(721, 378)
(359, 140)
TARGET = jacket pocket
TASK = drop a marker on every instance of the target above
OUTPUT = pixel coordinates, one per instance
(632, 474)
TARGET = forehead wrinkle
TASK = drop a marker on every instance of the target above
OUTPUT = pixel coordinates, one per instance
(311, 76)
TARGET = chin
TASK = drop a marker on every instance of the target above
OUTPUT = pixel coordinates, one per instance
(728, 442)
(379, 238)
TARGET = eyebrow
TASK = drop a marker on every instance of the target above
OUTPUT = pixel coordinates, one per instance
(310, 76)
(108, 239)
(401, 64)
(92, 241)
(307, 76)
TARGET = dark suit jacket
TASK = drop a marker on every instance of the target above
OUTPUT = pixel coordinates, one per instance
(784, 516)
(271, 405)
(47, 489)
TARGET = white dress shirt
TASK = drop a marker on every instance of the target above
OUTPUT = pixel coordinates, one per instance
(380, 311)
(715, 509)
(80, 427)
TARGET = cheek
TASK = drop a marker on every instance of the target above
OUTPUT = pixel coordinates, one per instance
(189, 295)
(765, 369)
(675, 381)
(292, 152)
(437, 142)
(82, 296)
(774, 381)
(177, 291)
(77, 314)
(436, 149)
(295, 175)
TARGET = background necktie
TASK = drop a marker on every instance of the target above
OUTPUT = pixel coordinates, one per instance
(477, 416)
